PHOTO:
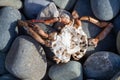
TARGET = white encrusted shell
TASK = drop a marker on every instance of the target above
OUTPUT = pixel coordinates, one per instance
(69, 41)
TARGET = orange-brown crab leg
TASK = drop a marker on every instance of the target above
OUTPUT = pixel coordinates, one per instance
(94, 21)
(38, 30)
(107, 28)
(51, 20)
(32, 32)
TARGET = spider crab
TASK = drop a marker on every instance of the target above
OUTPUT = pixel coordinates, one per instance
(70, 40)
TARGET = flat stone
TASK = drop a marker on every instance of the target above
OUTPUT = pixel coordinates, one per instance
(33, 7)
(13, 3)
(69, 71)
(102, 65)
(65, 4)
(2, 63)
(8, 77)
(105, 9)
(107, 44)
(8, 32)
(83, 8)
(26, 59)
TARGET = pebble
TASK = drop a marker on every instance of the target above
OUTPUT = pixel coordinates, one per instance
(47, 12)
(26, 59)
(102, 65)
(105, 9)
(69, 71)
(33, 7)
(65, 4)
(8, 32)
(13, 3)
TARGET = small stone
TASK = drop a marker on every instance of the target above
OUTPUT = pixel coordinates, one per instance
(26, 59)
(102, 65)
(118, 42)
(8, 77)
(13, 3)
(105, 9)
(68, 71)
(2, 63)
(8, 32)
(83, 8)
(48, 11)
(65, 4)
(33, 7)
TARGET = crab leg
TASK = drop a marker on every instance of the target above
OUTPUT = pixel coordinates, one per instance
(94, 21)
(51, 20)
(38, 30)
(105, 32)
(32, 32)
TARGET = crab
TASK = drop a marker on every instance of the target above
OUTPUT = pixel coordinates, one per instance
(70, 40)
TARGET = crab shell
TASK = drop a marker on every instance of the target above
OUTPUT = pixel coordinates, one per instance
(71, 41)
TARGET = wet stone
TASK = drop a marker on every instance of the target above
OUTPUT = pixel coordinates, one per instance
(102, 65)
(26, 59)
(8, 32)
(68, 71)
(105, 9)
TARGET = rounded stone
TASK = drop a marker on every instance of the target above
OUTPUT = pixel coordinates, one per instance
(69, 71)
(102, 65)
(107, 44)
(2, 63)
(105, 9)
(83, 8)
(118, 42)
(48, 11)
(26, 59)
(33, 7)
(65, 4)
(13, 3)
(8, 32)
(8, 77)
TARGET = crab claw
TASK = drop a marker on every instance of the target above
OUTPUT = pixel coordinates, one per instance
(93, 42)
(56, 59)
